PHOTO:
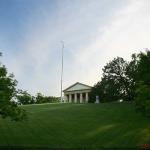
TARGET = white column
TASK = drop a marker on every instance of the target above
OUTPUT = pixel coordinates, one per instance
(70, 98)
(65, 98)
(87, 97)
(81, 98)
(75, 97)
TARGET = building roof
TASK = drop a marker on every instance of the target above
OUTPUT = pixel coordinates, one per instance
(77, 87)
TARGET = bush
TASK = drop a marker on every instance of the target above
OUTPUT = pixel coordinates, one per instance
(45, 99)
(142, 99)
(25, 98)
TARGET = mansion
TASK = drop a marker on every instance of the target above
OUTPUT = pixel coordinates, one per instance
(77, 93)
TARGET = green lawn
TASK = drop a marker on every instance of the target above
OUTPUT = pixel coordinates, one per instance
(78, 125)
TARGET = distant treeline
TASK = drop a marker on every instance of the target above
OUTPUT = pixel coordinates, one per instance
(24, 98)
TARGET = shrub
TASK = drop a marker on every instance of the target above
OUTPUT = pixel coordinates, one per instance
(142, 99)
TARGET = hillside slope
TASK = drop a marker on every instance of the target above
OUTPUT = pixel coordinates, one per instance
(78, 125)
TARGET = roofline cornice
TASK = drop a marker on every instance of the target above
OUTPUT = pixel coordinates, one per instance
(75, 84)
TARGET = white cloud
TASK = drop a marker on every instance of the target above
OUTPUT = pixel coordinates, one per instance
(94, 33)
(126, 33)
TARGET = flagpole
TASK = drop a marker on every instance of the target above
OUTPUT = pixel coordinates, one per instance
(62, 57)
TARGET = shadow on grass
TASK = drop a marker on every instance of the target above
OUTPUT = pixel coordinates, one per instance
(100, 129)
(110, 135)
(13, 147)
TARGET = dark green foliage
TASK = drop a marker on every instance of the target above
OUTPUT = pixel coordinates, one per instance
(131, 68)
(143, 73)
(23, 97)
(119, 76)
(117, 81)
(110, 90)
(45, 99)
(96, 91)
(106, 90)
(142, 99)
(126, 80)
(13, 111)
(8, 108)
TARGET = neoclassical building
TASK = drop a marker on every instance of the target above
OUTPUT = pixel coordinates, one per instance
(77, 93)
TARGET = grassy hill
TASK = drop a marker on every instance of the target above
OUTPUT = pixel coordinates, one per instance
(78, 125)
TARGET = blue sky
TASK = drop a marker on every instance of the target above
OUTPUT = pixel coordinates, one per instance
(94, 32)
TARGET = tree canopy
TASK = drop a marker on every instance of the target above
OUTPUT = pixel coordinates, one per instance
(142, 97)
(8, 107)
(117, 81)
(125, 80)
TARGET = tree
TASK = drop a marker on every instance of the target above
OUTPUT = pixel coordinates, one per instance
(143, 72)
(131, 73)
(46, 99)
(117, 81)
(23, 97)
(39, 98)
(115, 72)
(142, 98)
(106, 90)
(8, 107)
(95, 91)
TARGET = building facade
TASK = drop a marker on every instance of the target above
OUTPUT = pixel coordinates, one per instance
(77, 93)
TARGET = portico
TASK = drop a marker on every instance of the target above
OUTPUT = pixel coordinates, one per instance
(77, 93)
